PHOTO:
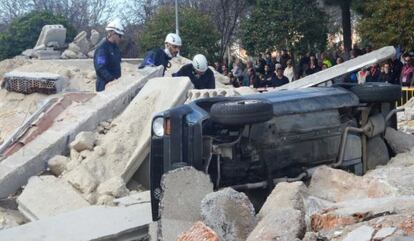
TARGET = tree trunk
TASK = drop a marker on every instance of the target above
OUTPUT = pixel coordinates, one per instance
(346, 27)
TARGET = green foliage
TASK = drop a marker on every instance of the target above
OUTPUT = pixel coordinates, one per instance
(388, 22)
(198, 32)
(296, 25)
(23, 32)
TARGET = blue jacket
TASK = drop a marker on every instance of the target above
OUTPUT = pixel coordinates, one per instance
(107, 62)
(156, 57)
(205, 81)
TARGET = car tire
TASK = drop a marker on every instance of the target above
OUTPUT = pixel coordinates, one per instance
(377, 92)
(241, 112)
(377, 153)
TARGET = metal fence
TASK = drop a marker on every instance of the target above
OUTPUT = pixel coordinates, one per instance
(407, 94)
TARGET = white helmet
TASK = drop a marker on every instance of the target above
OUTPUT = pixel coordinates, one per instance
(173, 38)
(115, 26)
(200, 63)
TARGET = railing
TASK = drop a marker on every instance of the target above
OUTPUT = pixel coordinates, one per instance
(407, 94)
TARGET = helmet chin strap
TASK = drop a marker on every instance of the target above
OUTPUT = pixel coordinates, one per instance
(167, 51)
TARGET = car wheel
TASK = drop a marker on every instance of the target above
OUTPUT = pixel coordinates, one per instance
(377, 92)
(377, 153)
(241, 112)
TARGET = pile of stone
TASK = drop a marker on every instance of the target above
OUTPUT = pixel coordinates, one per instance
(50, 43)
(406, 118)
(82, 47)
(336, 205)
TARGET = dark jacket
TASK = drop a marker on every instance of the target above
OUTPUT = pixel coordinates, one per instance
(107, 62)
(156, 57)
(205, 81)
(374, 76)
(276, 82)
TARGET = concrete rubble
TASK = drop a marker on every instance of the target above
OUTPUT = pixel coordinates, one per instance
(180, 205)
(87, 224)
(83, 166)
(43, 189)
(229, 213)
(49, 44)
(82, 47)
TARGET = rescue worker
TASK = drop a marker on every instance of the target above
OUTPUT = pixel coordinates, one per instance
(158, 56)
(107, 57)
(200, 75)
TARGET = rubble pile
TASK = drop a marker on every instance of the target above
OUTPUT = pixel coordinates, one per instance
(82, 47)
(334, 205)
(16, 107)
(100, 163)
(406, 118)
(50, 43)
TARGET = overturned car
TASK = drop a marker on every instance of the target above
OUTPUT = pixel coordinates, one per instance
(255, 141)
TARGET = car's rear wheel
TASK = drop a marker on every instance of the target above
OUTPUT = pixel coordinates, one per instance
(377, 92)
(241, 112)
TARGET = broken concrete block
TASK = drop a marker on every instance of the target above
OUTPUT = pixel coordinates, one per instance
(51, 33)
(384, 233)
(69, 54)
(399, 142)
(337, 185)
(398, 174)
(81, 179)
(82, 42)
(74, 48)
(363, 233)
(83, 141)
(10, 218)
(184, 189)
(95, 37)
(199, 231)
(100, 150)
(284, 224)
(57, 164)
(180, 206)
(115, 187)
(355, 211)
(106, 200)
(33, 82)
(87, 224)
(91, 53)
(285, 195)
(46, 196)
(229, 213)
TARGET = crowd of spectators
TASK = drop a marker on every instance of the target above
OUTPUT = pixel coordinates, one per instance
(276, 70)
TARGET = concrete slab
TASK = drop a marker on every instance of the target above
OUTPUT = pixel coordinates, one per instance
(92, 223)
(31, 159)
(118, 157)
(51, 33)
(180, 206)
(171, 92)
(341, 69)
(229, 213)
(47, 196)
